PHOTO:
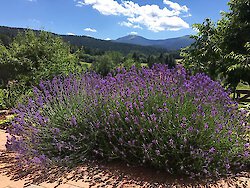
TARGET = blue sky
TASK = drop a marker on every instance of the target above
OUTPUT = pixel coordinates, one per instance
(111, 19)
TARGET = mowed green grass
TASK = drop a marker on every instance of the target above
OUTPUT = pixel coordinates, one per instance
(88, 65)
(85, 65)
(242, 86)
(245, 105)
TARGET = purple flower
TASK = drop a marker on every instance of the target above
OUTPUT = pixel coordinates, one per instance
(157, 152)
(184, 118)
(212, 150)
(127, 119)
(190, 129)
(171, 142)
(36, 160)
(247, 145)
(73, 121)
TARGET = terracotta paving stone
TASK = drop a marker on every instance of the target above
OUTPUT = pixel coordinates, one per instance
(48, 185)
(68, 186)
(52, 186)
(2, 139)
(65, 185)
(34, 186)
(7, 182)
(79, 183)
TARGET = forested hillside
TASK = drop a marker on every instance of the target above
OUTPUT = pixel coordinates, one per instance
(8, 33)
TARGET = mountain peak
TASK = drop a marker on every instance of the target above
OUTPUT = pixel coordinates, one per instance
(134, 39)
(130, 37)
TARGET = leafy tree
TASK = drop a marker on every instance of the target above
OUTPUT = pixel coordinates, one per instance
(235, 39)
(222, 50)
(32, 57)
(8, 66)
(5, 39)
(103, 65)
(161, 59)
(236, 26)
(203, 55)
(165, 58)
(142, 58)
(151, 60)
(129, 62)
(170, 61)
(42, 56)
(87, 58)
(136, 57)
(116, 57)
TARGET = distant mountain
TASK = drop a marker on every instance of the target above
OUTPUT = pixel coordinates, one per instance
(135, 39)
(105, 45)
(7, 34)
(171, 44)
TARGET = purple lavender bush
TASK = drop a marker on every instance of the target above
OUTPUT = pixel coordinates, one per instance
(155, 117)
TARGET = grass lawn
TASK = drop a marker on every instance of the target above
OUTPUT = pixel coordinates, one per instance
(245, 105)
(5, 119)
(85, 65)
(242, 86)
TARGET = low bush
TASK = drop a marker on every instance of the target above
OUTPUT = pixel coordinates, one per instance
(155, 117)
(13, 94)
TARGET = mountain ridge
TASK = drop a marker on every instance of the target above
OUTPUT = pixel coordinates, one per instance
(170, 44)
(8, 33)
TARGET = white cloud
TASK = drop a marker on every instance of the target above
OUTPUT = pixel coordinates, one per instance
(107, 39)
(187, 15)
(175, 6)
(128, 24)
(90, 30)
(133, 33)
(34, 21)
(79, 3)
(152, 17)
(32, 0)
(71, 34)
(195, 29)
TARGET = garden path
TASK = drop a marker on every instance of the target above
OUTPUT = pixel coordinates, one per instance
(112, 175)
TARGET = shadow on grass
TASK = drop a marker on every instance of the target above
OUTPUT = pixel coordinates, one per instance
(108, 175)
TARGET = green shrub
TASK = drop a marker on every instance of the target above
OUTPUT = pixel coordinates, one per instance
(13, 94)
(103, 65)
(30, 58)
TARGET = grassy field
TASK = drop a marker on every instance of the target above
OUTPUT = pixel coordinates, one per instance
(242, 86)
(5, 119)
(245, 105)
(88, 65)
(85, 65)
